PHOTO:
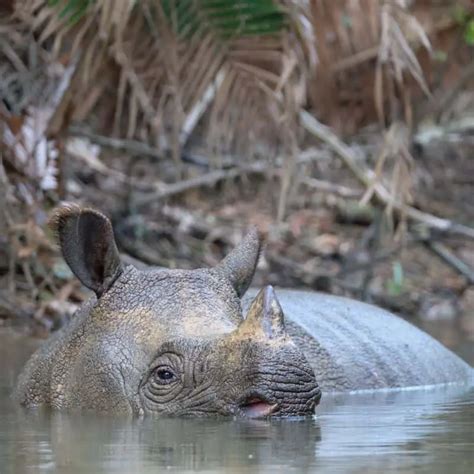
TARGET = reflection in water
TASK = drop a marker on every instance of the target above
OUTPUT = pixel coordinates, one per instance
(430, 430)
(415, 431)
(119, 446)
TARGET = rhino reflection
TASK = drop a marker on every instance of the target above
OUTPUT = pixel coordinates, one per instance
(112, 445)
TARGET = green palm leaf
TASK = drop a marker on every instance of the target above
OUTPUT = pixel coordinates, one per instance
(228, 18)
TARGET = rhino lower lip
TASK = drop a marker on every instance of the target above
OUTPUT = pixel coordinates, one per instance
(257, 407)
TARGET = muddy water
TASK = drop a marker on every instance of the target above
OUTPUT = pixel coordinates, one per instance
(413, 431)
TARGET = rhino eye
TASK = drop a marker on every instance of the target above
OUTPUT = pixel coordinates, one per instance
(164, 375)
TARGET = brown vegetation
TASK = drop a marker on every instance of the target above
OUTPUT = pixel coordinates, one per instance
(182, 125)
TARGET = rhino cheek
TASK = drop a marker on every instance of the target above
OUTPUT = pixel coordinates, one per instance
(104, 378)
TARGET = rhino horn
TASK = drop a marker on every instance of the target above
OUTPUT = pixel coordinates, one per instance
(238, 267)
(265, 316)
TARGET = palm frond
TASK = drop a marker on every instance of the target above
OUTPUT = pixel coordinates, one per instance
(208, 62)
(398, 29)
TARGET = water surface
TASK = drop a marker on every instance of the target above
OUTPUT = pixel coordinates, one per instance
(412, 431)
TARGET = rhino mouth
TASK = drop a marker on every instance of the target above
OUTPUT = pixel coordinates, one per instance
(257, 406)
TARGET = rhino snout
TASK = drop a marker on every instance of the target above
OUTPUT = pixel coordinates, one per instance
(258, 379)
(281, 399)
(284, 391)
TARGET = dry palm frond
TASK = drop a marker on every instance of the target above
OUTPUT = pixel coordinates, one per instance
(395, 55)
(32, 85)
(354, 35)
(219, 63)
(236, 71)
(396, 160)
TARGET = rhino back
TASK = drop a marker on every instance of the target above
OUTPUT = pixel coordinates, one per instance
(356, 346)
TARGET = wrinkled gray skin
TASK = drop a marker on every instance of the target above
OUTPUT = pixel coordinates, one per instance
(174, 342)
(166, 342)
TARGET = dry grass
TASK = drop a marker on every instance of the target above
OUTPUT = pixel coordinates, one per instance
(173, 70)
(171, 75)
(155, 78)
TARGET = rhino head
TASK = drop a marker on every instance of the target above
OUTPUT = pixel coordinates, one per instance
(167, 342)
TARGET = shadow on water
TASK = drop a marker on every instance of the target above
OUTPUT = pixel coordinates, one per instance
(415, 431)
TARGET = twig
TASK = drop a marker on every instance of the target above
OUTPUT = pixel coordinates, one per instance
(331, 188)
(209, 179)
(442, 104)
(141, 252)
(131, 146)
(136, 84)
(313, 154)
(16, 61)
(371, 53)
(129, 260)
(93, 162)
(356, 59)
(445, 254)
(135, 147)
(299, 271)
(325, 134)
(192, 118)
(189, 222)
(11, 306)
(212, 178)
(372, 245)
(377, 258)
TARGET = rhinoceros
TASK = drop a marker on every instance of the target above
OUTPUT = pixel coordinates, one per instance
(176, 342)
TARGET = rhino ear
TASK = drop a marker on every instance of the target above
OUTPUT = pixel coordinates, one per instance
(264, 317)
(87, 243)
(239, 266)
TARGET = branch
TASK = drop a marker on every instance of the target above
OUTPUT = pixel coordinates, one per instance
(445, 254)
(449, 97)
(326, 135)
(332, 188)
(200, 107)
(131, 146)
(371, 53)
(259, 167)
(209, 179)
